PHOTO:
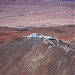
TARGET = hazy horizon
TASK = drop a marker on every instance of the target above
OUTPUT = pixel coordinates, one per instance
(29, 1)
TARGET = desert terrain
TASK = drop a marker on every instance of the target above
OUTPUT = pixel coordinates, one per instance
(32, 55)
(23, 54)
(34, 15)
(64, 33)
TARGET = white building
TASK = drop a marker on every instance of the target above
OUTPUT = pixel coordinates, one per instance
(33, 35)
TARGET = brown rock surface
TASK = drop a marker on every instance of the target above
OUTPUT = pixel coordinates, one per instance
(36, 56)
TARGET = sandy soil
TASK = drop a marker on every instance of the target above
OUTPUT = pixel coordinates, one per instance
(37, 14)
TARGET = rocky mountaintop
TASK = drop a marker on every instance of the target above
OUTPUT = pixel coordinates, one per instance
(37, 55)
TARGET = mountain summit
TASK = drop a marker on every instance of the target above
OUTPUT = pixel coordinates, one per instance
(37, 55)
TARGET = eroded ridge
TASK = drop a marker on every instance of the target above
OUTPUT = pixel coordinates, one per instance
(37, 55)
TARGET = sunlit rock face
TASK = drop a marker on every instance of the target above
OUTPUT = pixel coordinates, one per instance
(37, 55)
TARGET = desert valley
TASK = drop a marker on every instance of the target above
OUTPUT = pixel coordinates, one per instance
(37, 37)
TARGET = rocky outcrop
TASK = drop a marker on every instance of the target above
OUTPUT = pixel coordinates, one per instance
(31, 55)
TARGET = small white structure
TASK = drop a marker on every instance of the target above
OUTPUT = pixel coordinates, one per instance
(41, 36)
(48, 37)
(33, 35)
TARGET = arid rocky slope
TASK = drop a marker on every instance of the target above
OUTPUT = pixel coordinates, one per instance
(37, 56)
